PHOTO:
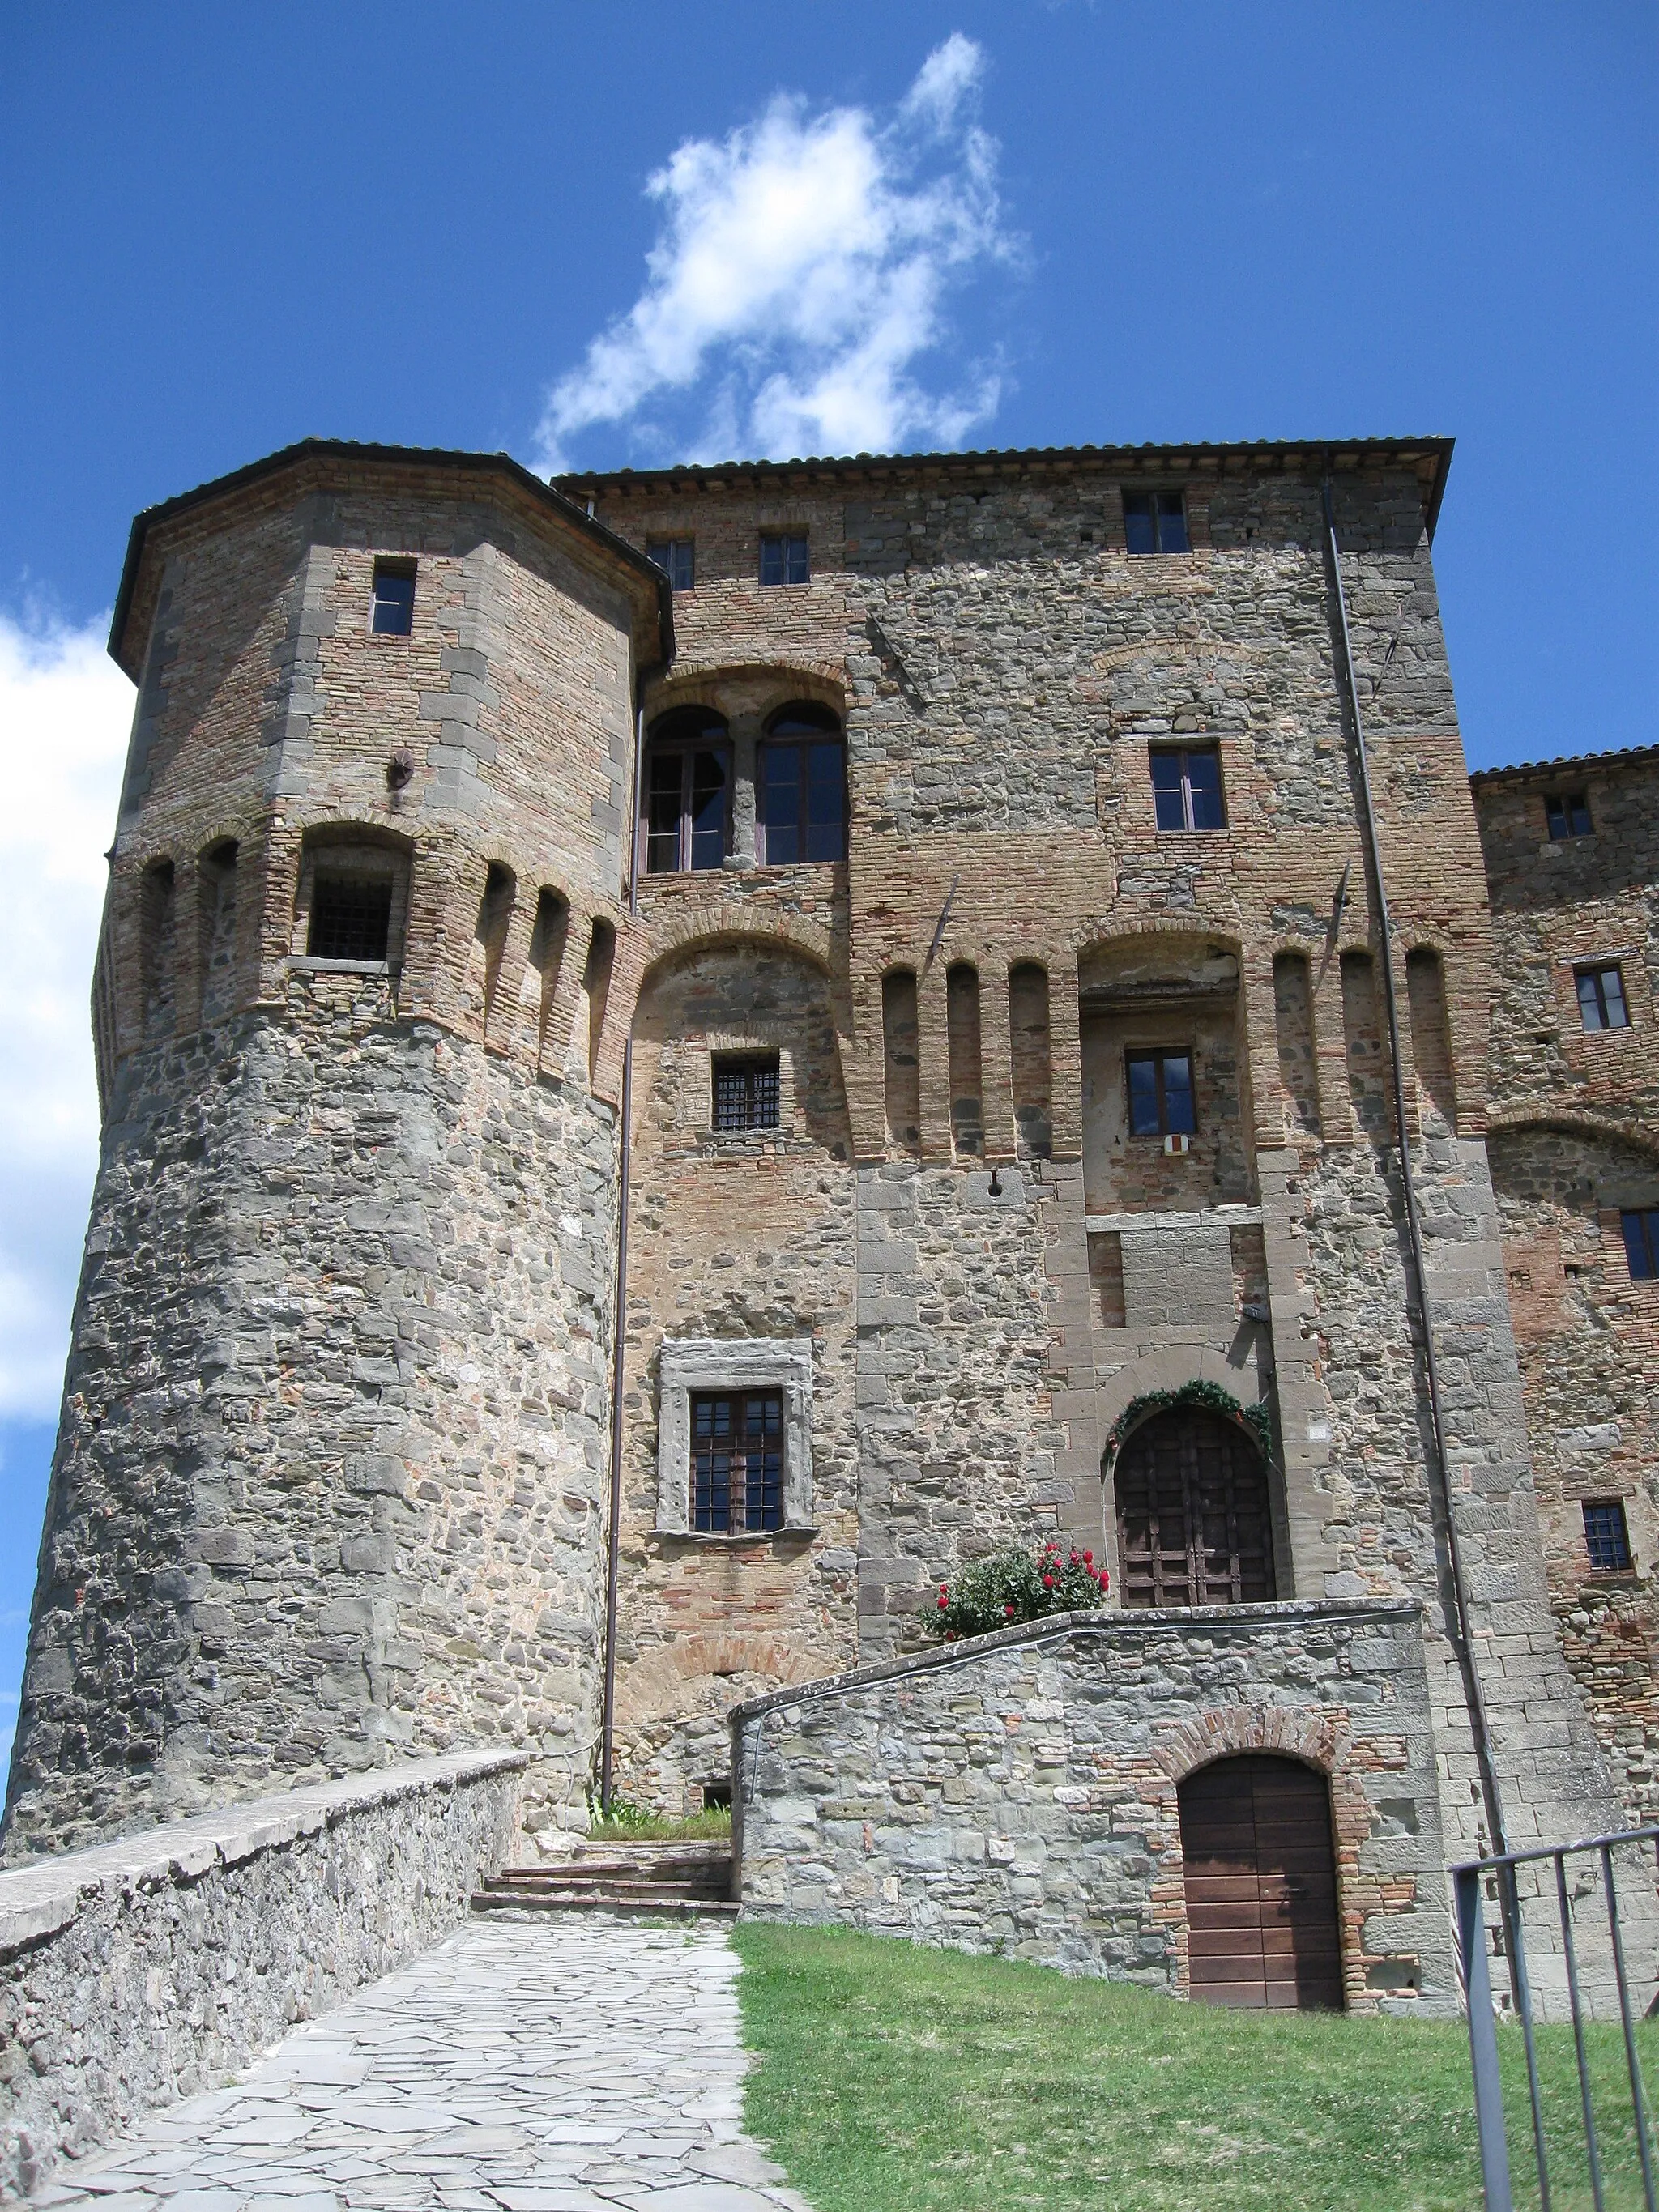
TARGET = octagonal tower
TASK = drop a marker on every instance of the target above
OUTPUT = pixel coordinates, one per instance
(330, 1475)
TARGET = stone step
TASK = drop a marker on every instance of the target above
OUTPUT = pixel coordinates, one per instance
(657, 1904)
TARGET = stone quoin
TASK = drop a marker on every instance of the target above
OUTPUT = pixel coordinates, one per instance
(987, 925)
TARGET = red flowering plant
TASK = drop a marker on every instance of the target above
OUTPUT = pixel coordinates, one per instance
(1014, 1586)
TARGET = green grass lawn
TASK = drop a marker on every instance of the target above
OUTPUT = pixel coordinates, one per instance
(897, 2079)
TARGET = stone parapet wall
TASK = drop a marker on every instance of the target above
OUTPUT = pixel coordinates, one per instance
(142, 1972)
(1019, 1794)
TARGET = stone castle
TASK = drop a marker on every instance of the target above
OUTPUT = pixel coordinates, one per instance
(917, 926)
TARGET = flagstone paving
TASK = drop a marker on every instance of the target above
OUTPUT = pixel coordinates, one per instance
(553, 2064)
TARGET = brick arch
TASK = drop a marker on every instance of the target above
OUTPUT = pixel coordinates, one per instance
(700, 687)
(1573, 1121)
(1100, 931)
(693, 928)
(1166, 1368)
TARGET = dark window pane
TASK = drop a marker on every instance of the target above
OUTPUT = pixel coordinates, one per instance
(394, 602)
(1204, 779)
(1172, 523)
(676, 555)
(1589, 1000)
(1178, 1095)
(708, 810)
(826, 790)
(350, 917)
(1578, 816)
(783, 561)
(1613, 1000)
(795, 568)
(662, 844)
(1641, 1228)
(1168, 798)
(780, 804)
(1138, 529)
(771, 560)
(1143, 1095)
(1555, 813)
(1606, 1537)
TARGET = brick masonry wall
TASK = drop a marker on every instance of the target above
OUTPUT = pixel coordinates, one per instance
(1574, 1144)
(1019, 1795)
(140, 1973)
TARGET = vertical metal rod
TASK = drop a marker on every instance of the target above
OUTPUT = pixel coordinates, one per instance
(1579, 2029)
(619, 1343)
(1439, 1470)
(1637, 2101)
(1515, 1935)
(1483, 2042)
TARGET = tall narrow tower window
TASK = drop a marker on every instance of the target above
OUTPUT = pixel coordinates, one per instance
(394, 599)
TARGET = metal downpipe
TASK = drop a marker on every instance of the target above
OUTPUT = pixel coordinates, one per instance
(1439, 1472)
(619, 1343)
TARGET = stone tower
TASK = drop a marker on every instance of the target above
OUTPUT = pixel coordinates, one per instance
(330, 1477)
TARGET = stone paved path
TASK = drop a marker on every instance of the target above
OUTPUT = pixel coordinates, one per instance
(554, 2064)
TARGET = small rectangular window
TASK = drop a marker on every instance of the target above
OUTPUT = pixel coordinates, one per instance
(1601, 998)
(350, 917)
(746, 1092)
(1187, 787)
(783, 559)
(736, 1461)
(1161, 1094)
(1607, 1535)
(1641, 1228)
(394, 599)
(677, 558)
(1568, 814)
(1155, 522)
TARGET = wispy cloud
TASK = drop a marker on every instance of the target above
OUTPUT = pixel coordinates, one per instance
(64, 713)
(799, 283)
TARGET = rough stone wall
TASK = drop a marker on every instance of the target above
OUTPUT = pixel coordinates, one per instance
(1575, 1143)
(1019, 1795)
(733, 1237)
(329, 1485)
(137, 1973)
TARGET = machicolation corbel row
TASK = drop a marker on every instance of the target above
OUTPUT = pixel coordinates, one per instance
(966, 872)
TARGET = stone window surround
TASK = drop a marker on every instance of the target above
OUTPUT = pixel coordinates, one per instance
(726, 1365)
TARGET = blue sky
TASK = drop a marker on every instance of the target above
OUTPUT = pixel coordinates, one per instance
(607, 234)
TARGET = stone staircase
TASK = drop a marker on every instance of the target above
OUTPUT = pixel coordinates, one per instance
(689, 1880)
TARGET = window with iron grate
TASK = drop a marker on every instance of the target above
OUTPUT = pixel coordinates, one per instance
(350, 917)
(746, 1092)
(736, 1461)
(1607, 1535)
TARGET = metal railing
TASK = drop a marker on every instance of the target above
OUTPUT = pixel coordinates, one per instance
(1586, 1995)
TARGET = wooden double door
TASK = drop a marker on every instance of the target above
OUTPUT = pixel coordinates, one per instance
(1261, 1907)
(1194, 1526)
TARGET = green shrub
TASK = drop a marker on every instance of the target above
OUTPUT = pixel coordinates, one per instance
(1014, 1586)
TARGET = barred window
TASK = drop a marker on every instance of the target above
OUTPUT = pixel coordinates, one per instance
(1607, 1535)
(736, 1461)
(350, 917)
(746, 1093)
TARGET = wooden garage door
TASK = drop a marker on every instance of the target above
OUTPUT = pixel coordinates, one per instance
(1255, 1832)
(1192, 1520)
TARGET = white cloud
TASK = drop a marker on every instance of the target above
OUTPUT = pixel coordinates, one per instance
(800, 280)
(65, 710)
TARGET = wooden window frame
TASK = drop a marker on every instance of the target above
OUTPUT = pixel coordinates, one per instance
(800, 743)
(1595, 974)
(395, 572)
(678, 559)
(1564, 807)
(685, 750)
(1189, 825)
(786, 545)
(754, 1463)
(1157, 513)
(1158, 1055)
(1640, 1227)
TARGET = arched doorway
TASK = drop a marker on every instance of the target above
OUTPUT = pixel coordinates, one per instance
(1260, 1879)
(1194, 1526)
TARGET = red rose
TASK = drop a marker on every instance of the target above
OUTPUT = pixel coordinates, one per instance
(943, 1602)
(1088, 1558)
(1047, 1582)
(1009, 1610)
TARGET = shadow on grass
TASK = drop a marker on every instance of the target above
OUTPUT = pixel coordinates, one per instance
(898, 2079)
